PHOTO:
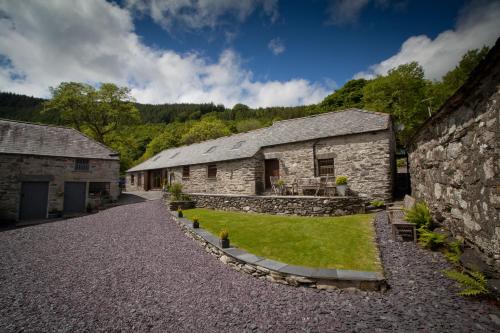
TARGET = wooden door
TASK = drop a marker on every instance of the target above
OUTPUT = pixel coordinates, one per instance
(34, 199)
(271, 168)
(75, 194)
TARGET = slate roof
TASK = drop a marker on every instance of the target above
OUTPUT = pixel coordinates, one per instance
(351, 121)
(25, 138)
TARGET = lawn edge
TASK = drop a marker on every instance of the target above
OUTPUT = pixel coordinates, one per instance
(278, 272)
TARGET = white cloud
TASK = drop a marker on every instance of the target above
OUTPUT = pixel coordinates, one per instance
(94, 41)
(276, 46)
(478, 24)
(199, 14)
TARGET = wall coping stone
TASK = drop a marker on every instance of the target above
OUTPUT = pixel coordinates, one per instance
(279, 272)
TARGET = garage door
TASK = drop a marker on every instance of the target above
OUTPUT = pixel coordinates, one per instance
(34, 198)
(74, 197)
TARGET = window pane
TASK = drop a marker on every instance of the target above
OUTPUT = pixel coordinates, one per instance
(326, 167)
(81, 164)
(185, 171)
(212, 171)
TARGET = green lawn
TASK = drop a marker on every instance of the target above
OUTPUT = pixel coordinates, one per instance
(345, 242)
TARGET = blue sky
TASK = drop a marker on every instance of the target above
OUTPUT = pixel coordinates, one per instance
(256, 52)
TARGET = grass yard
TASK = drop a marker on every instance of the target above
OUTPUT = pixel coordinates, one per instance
(345, 242)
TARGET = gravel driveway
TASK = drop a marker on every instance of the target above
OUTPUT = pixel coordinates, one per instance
(130, 268)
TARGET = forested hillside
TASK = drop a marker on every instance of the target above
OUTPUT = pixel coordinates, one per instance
(403, 92)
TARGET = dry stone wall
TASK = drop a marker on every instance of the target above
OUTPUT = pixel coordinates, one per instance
(454, 167)
(286, 205)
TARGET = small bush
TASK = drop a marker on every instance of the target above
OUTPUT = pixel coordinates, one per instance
(179, 212)
(420, 215)
(401, 162)
(341, 180)
(473, 283)
(430, 240)
(196, 219)
(224, 234)
(453, 252)
(377, 203)
(176, 190)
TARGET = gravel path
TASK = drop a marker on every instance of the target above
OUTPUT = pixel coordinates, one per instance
(130, 268)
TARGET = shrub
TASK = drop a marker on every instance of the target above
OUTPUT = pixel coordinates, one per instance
(179, 212)
(453, 252)
(196, 219)
(420, 215)
(430, 240)
(224, 234)
(473, 283)
(176, 190)
(377, 203)
(341, 180)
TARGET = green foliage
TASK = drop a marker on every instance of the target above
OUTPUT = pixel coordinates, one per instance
(420, 215)
(224, 234)
(430, 240)
(453, 252)
(401, 162)
(175, 190)
(246, 125)
(473, 283)
(341, 180)
(349, 96)
(280, 182)
(205, 130)
(196, 219)
(377, 203)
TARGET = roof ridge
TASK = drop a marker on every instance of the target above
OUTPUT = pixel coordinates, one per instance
(331, 112)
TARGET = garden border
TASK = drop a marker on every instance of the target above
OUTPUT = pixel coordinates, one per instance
(275, 271)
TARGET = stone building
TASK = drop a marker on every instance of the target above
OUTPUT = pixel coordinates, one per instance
(454, 161)
(49, 170)
(356, 143)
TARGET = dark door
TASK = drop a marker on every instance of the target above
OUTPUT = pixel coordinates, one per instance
(272, 168)
(74, 197)
(34, 198)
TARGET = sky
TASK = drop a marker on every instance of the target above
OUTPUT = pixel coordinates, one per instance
(256, 52)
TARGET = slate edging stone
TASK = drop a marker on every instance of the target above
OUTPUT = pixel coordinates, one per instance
(278, 272)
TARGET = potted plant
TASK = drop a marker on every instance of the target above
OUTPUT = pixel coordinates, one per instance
(224, 239)
(196, 223)
(179, 212)
(341, 182)
(281, 185)
(376, 205)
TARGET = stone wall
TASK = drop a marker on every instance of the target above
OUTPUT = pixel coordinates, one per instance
(135, 186)
(286, 205)
(366, 159)
(454, 166)
(57, 170)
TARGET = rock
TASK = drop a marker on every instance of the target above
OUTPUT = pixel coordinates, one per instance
(494, 318)
(471, 260)
(494, 287)
(224, 259)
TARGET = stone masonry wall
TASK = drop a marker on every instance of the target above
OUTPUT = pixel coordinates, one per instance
(235, 177)
(286, 205)
(454, 167)
(15, 168)
(366, 159)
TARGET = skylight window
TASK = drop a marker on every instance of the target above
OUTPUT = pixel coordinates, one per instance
(174, 155)
(210, 150)
(238, 144)
(157, 157)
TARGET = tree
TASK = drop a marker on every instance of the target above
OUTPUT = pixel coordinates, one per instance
(99, 112)
(402, 93)
(248, 125)
(204, 130)
(349, 96)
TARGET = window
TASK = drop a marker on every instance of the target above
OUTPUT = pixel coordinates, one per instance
(98, 189)
(185, 171)
(238, 144)
(132, 179)
(326, 167)
(210, 150)
(81, 164)
(174, 155)
(212, 171)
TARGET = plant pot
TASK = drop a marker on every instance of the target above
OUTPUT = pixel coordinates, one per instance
(196, 224)
(341, 190)
(224, 243)
(180, 214)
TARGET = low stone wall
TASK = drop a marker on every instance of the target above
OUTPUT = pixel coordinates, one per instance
(285, 205)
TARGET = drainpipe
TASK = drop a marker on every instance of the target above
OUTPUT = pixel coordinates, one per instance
(314, 158)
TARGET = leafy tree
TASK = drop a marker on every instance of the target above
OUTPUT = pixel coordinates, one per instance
(204, 130)
(169, 138)
(99, 112)
(349, 96)
(402, 93)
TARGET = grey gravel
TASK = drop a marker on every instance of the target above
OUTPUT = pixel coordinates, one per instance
(130, 268)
